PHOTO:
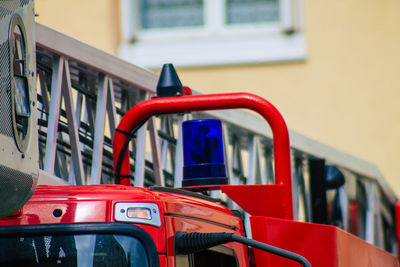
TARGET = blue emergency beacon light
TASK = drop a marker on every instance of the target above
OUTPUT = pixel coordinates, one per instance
(203, 153)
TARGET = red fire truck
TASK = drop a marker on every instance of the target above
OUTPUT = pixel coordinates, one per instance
(122, 225)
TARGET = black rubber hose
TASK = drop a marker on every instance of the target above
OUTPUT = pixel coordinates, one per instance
(186, 243)
(129, 137)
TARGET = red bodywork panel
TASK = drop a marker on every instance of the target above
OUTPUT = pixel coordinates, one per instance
(247, 195)
(322, 245)
(397, 216)
(95, 203)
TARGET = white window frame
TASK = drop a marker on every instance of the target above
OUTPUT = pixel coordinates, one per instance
(214, 43)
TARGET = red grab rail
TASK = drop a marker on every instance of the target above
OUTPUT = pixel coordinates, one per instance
(189, 103)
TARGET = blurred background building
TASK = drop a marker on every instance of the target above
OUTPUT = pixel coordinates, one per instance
(331, 67)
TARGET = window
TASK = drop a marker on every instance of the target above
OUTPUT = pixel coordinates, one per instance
(19, 86)
(211, 32)
(73, 250)
(171, 14)
(79, 244)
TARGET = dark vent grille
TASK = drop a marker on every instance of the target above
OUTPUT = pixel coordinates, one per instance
(24, 2)
(5, 91)
(15, 190)
(8, 7)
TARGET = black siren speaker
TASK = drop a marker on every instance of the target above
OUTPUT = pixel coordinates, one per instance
(18, 113)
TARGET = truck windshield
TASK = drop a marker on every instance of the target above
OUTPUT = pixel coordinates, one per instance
(73, 250)
(77, 244)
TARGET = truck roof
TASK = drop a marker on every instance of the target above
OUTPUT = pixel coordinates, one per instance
(96, 203)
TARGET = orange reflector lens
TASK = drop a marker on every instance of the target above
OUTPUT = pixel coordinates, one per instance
(139, 213)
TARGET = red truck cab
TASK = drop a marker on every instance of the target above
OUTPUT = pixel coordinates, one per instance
(158, 212)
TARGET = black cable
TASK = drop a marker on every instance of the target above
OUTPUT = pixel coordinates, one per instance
(129, 137)
(186, 243)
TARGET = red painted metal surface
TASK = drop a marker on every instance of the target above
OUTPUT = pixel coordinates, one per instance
(88, 203)
(186, 206)
(397, 216)
(257, 200)
(322, 245)
(189, 103)
(95, 203)
(353, 212)
(163, 260)
(260, 200)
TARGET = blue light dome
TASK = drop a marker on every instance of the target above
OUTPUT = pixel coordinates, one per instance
(203, 152)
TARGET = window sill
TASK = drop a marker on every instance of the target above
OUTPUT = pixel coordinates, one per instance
(216, 50)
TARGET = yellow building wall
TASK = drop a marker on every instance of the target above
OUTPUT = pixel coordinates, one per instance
(95, 22)
(345, 94)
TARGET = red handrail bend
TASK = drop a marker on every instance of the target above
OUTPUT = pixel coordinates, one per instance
(259, 200)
